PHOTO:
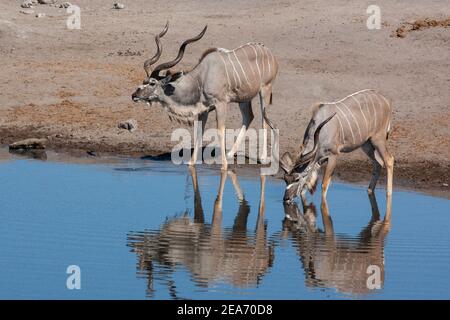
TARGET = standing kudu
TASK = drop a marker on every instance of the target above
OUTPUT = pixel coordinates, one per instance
(360, 120)
(221, 76)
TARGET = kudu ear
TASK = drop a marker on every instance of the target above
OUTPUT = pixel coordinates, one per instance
(286, 162)
(175, 76)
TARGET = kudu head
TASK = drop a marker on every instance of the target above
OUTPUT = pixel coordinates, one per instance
(157, 86)
(301, 171)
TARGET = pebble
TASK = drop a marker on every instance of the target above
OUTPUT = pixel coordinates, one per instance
(28, 144)
(445, 184)
(27, 4)
(40, 15)
(46, 1)
(119, 5)
(129, 125)
(27, 11)
(65, 5)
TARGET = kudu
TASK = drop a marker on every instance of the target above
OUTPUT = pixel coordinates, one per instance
(221, 76)
(337, 261)
(208, 250)
(360, 120)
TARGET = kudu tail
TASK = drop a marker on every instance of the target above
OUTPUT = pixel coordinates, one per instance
(275, 147)
(388, 130)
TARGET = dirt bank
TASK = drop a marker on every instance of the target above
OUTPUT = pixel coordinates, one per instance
(74, 86)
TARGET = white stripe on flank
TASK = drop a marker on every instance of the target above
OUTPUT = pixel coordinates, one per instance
(380, 102)
(245, 75)
(366, 105)
(374, 112)
(249, 63)
(387, 102)
(262, 62)
(257, 65)
(268, 60)
(342, 128)
(360, 109)
(226, 70)
(354, 118)
(235, 72)
(355, 93)
(274, 62)
(348, 122)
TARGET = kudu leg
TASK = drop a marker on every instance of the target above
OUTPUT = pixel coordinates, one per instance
(304, 200)
(260, 227)
(330, 165)
(240, 222)
(236, 185)
(216, 223)
(326, 219)
(380, 146)
(198, 137)
(264, 100)
(262, 202)
(374, 207)
(199, 216)
(247, 118)
(369, 150)
(221, 114)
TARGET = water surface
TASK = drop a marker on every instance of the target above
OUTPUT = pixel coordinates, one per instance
(148, 229)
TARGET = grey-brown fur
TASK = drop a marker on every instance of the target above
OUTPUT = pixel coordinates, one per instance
(360, 120)
(222, 76)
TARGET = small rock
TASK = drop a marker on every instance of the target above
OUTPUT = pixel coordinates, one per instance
(27, 11)
(38, 154)
(28, 144)
(129, 125)
(119, 5)
(445, 184)
(46, 1)
(40, 15)
(27, 4)
(91, 153)
(65, 5)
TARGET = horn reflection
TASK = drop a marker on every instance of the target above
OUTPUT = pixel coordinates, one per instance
(210, 252)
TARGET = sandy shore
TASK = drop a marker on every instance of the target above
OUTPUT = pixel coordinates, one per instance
(73, 86)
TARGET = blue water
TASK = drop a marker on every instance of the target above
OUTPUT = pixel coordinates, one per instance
(134, 231)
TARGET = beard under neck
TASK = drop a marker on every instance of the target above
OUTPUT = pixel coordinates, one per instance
(185, 114)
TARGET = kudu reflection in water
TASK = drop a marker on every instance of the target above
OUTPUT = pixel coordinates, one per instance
(334, 260)
(210, 252)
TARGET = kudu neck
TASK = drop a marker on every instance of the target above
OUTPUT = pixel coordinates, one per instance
(187, 90)
(184, 104)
